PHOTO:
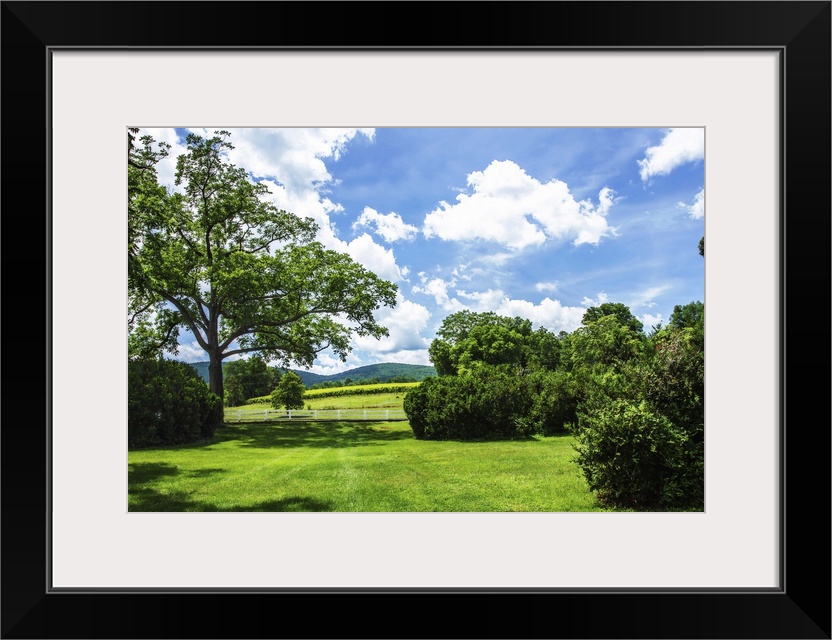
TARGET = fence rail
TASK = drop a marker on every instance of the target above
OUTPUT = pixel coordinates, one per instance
(310, 415)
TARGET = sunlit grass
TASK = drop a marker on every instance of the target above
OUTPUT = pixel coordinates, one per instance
(359, 467)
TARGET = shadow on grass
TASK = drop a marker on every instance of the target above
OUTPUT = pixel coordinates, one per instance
(139, 473)
(145, 499)
(327, 435)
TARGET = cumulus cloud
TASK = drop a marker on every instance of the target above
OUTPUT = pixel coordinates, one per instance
(404, 323)
(507, 206)
(371, 255)
(650, 321)
(600, 299)
(438, 289)
(483, 300)
(678, 147)
(697, 209)
(191, 352)
(295, 156)
(549, 313)
(389, 226)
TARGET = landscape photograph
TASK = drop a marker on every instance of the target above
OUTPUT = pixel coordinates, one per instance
(416, 319)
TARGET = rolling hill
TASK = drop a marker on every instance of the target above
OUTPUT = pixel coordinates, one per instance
(383, 372)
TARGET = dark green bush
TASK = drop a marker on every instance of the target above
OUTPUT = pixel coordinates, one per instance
(168, 403)
(554, 402)
(484, 404)
(640, 428)
(630, 454)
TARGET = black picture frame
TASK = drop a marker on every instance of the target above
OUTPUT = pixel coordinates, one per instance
(800, 608)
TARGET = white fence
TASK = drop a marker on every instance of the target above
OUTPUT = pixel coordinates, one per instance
(307, 415)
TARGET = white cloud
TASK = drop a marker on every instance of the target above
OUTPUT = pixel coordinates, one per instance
(650, 321)
(697, 209)
(404, 323)
(678, 147)
(546, 286)
(599, 300)
(192, 352)
(438, 288)
(550, 314)
(371, 255)
(327, 364)
(389, 226)
(294, 157)
(645, 298)
(508, 206)
(483, 300)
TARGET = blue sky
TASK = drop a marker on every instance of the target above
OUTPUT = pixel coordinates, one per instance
(539, 223)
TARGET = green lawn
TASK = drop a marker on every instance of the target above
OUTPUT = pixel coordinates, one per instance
(358, 467)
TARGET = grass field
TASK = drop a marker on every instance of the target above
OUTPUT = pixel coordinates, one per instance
(358, 467)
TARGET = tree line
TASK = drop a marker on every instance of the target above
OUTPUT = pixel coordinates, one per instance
(634, 400)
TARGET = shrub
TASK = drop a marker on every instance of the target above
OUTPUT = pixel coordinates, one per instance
(554, 402)
(169, 403)
(483, 404)
(630, 455)
(640, 429)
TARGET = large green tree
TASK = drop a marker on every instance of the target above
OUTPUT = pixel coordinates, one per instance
(221, 261)
(252, 376)
(468, 337)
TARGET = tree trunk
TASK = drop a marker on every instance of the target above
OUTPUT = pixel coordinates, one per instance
(216, 381)
(215, 374)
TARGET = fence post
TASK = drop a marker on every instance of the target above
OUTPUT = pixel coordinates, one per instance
(365, 414)
(315, 415)
(339, 414)
(239, 416)
(290, 414)
(387, 414)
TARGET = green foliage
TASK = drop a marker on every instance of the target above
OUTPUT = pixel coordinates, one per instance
(221, 261)
(249, 378)
(616, 309)
(234, 395)
(289, 392)
(628, 452)
(554, 402)
(168, 403)
(466, 338)
(484, 404)
(605, 342)
(640, 428)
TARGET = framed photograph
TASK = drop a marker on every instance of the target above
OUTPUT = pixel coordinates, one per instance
(753, 76)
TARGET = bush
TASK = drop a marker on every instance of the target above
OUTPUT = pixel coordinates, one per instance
(168, 403)
(554, 402)
(483, 404)
(640, 429)
(631, 455)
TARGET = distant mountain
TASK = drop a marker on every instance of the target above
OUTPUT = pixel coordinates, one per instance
(383, 372)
